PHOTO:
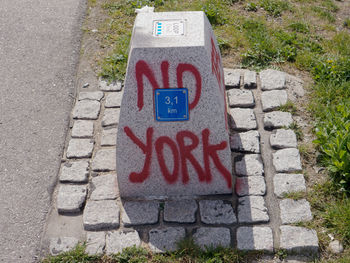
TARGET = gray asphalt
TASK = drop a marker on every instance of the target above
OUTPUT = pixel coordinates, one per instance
(39, 52)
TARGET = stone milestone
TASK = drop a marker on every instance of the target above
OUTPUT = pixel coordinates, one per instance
(172, 158)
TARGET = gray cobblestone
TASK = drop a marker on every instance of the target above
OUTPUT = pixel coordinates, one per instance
(70, 198)
(298, 240)
(249, 79)
(80, 148)
(83, 129)
(104, 187)
(249, 165)
(252, 209)
(232, 78)
(271, 100)
(240, 98)
(286, 160)
(104, 160)
(288, 183)
(116, 241)
(86, 110)
(277, 119)
(101, 215)
(91, 95)
(180, 211)
(294, 211)
(75, 172)
(140, 213)
(255, 238)
(109, 137)
(95, 243)
(110, 117)
(245, 142)
(207, 237)
(272, 79)
(114, 100)
(251, 185)
(60, 245)
(165, 239)
(115, 86)
(216, 212)
(283, 139)
(243, 119)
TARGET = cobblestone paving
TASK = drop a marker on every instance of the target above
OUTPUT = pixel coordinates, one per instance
(266, 168)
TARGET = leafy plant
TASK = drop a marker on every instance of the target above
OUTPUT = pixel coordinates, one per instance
(333, 140)
(347, 22)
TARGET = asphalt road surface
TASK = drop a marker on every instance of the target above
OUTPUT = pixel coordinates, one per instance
(39, 52)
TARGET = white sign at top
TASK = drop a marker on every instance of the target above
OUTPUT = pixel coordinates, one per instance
(166, 28)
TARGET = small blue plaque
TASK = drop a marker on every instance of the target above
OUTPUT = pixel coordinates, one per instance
(171, 104)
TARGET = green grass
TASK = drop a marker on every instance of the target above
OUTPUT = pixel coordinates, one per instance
(187, 252)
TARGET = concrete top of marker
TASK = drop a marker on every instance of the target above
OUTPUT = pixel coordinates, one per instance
(193, 30)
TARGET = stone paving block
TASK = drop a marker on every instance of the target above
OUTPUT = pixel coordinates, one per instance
(180, 211)
(216, 212)
(272, 79)
(286, 160)
(249, 79)
(249, 165)
(245, 142)
(104, 160)
(104, 187)
(277, 119)
(255, 238)
(90, 95)
(60, 245)
(288, 183)
(294, 211)
(114, 100)
(165, 239)
(283, 139)
(110, 117)
(95, 243)
(241, 98)
(252, 209)
(206, 237)
(273, 99)
(82, 128)
(101, 215)
(114, 86)
(140, 213)
(80, 148)
(109, 137)
(232, 78)
(298, 240)
(243, 119)
(251, 185)
(86, 110)
(75, 172)
(116, 241)
(70, 198)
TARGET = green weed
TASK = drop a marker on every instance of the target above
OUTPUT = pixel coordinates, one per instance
(213, 10)
(323, 13)
(274, 7)
(299, 27)
(288, 107)
(252, 7)
(295, 195)
(297, 130)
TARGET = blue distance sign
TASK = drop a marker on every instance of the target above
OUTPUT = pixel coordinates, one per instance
(171, 104)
